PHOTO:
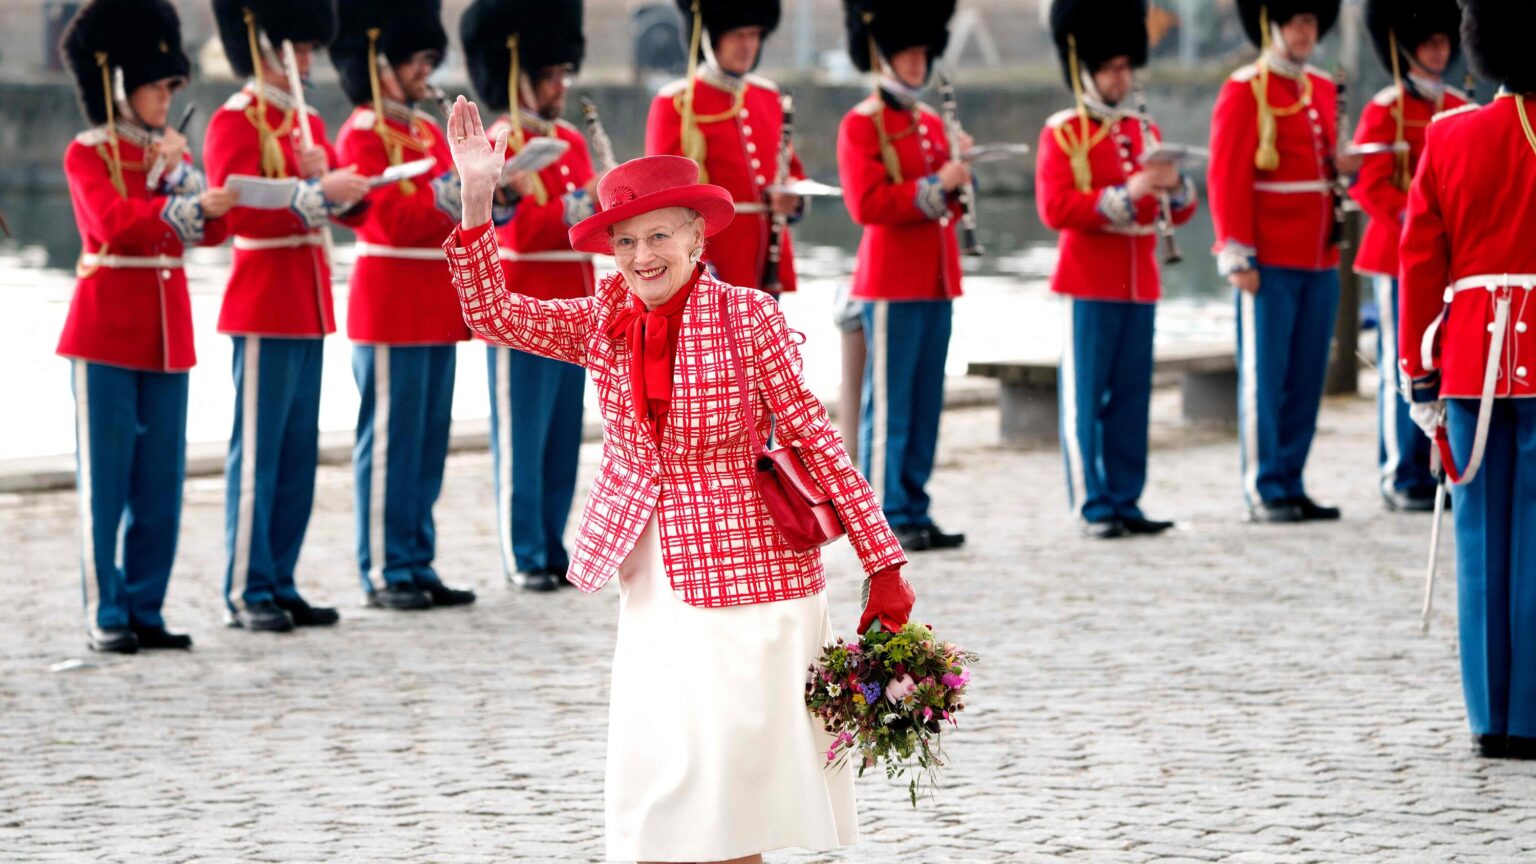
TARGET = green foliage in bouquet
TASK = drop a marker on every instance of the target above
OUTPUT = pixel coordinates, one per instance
(887, 698)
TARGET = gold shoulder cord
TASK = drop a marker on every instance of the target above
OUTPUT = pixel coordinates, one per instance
(888, 154)
(1078, 143)
(1525, 121)
(693, 143)
(394, 142)
(1267, 158)
(272, 161)
(114, 159)
(516, 140)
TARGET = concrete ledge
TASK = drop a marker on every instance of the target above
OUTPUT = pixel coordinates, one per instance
(206, 458)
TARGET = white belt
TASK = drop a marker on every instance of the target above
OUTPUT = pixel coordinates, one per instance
(129, 262)
(292, 241)
(1491, 281)
(751, 207)
(1292, 187)
(550, 255)
(1132, 230)
(375, 250)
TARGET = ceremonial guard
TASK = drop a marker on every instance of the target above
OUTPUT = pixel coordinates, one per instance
(138, 202)
(1468, 349)
(277, 305)
(1417, 40)
(521, 56)
(731, 122)
(1094, 184)
(1274, 202)
(402, 312)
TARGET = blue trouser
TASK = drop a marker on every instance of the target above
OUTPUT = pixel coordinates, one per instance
(1402, 450)
(130, 456)
(1496, 567)
(270, 474)
(908, 342)
(1283, 336)
(1105, 390)
(536, 406)
(397, 461)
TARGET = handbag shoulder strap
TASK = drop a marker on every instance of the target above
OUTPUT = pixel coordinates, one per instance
(740, 374)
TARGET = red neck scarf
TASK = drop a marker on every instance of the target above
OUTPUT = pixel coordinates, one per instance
(652, 336)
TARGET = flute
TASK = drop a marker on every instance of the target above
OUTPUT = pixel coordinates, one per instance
(779, 221)
(953, 131)
(1340, 186)
(602, 145)
(1171, 252)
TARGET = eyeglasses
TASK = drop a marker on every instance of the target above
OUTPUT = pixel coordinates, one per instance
(625, 245)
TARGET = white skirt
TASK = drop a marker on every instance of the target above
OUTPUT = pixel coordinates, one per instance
(712, 754)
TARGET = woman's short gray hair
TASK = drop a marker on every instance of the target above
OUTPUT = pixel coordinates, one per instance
(690, 214)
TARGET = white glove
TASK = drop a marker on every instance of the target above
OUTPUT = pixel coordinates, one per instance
(1428, 416)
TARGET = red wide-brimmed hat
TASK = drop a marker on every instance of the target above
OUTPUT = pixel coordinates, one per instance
(651, 183)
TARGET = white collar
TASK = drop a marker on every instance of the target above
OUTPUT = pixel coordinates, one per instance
(1277, 60)
(712, 74)
(279, 99)
(1429, 87)
(898, 90)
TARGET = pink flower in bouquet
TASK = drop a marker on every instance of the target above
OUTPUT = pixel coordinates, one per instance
(900, 688)
(956, 681)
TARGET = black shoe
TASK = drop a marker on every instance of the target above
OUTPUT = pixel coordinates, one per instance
(1274, 513)
(442, 595)
(265, 616)
(404, 596)
(1143, 525)
(561, 575)
(1516, 747)
(1491, 746)
(305, 615)
(158, 637)
(113, 640)
(1106, 530)
(913, 538)
(1409, 500)
(937, 539)
(535, 580)
(1311, 511)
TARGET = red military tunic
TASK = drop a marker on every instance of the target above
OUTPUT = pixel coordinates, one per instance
(280, 282)
(1283, 217)
(1375, 188)
(130, 307)
(1108, 248)
(535, 245)
(909, 250)
(400, 291)
(743, 138)
(1471, 218)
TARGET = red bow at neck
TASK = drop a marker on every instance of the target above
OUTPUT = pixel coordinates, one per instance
(652, 336)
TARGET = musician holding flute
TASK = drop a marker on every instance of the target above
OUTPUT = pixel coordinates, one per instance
(521, 56)
(732, 123)
(277, 305)
(403, 314)
(1094, 184)
(900, 180)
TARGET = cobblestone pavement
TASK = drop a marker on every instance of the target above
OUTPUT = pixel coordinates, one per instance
(1228, 692)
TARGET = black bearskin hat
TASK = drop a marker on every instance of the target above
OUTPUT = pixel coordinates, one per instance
(290, 20)
(140, 37)
(722, 16)
(1414, 22)
(896, 25)
(549, 34)
(1103, 30)
(1281, 11)
(405, 27)
(1494, 34)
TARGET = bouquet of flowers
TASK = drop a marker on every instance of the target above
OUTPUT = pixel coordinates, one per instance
(886, 699)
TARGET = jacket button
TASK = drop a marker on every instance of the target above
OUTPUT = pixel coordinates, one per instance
(756, 164)
(1519, 371)
(746, 130)
(1490, 328)
(751, 148)
(165, 274)
(745, 114)
(1521, 327)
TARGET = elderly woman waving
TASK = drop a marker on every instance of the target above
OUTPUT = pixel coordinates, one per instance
(712, 755)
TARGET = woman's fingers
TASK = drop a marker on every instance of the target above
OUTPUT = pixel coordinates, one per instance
(456, 121)
(500, 147)
(475, 128)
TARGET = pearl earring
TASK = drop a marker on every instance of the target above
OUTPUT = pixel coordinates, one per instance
(695, 255)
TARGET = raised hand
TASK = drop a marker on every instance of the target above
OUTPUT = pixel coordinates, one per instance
(170, 147)
(478, 159)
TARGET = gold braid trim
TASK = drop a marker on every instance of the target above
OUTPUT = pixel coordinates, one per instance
(1267, 157)
(393, 141)
(1402, 174)
(1078, 143)
(272, 162)
(114, 160)
(691, 137)
(514, 99)
(1525, 121)
(888, 153)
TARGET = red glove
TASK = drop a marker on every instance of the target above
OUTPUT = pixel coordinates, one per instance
(890, 600)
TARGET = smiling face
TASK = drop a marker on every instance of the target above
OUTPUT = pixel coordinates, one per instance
(653, 251)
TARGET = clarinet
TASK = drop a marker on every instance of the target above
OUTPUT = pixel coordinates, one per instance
(952, 131)
(441, 98)
(602, 145)
(779, 221)
(1340, 187)
(1171, 253)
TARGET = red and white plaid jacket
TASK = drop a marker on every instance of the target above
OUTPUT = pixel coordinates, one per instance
(720, 546)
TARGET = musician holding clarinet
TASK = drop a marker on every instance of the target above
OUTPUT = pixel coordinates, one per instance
(1096, 187)
(900, 180)
(521, 55)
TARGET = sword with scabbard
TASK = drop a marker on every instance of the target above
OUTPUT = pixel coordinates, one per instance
(1434, 538)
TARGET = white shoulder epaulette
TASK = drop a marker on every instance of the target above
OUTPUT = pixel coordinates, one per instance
(869, 106)
(566, 124)
(1452, 112)
(1060, 117)
(1386, 95)
(1458, 93)
(239, 101)
(363, 119)
(92, 137)
(672, 88)
(1314, 70)
(760, 81)
(925, 108)
(1244, 73)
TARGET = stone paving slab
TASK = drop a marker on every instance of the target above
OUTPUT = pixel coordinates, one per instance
(1225, 693)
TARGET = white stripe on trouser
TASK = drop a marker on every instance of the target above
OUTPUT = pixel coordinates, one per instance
(1077, 485)
(92, 591)
(504, 463)
(1386, 408)
(378, 469)
(250, 377)
(1250, 396)
(880, 387)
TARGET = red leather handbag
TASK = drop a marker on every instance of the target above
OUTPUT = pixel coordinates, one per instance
(803, 512)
